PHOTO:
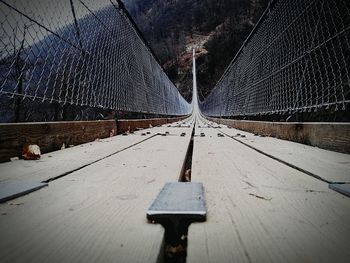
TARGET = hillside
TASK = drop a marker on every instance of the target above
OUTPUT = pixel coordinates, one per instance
(216, 27)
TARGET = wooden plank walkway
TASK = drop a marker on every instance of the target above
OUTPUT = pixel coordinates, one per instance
(260, 210)
(97, 213)
(58, 163)
(330, 166)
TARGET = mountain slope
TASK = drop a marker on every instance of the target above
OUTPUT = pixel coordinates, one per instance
(217, 28)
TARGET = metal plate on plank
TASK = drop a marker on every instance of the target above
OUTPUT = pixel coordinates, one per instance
(180, 199)
(341, 188)
(12, 189)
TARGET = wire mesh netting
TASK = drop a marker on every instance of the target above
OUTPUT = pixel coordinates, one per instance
(296, 59)
(79, 52)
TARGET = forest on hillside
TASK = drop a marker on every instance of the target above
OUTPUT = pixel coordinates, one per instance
(217, 27)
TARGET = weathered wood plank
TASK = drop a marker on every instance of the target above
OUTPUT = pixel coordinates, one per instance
(132, 125)
(50, 136)
(260, 210)
(329, 165)
(60, 162)
(96, 214)
(330, 136)
(57, 163)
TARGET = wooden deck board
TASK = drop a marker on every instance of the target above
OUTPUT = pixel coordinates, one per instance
(96, 214)
(50, 136)
(260, 210)
(333, 136)
(329, 165)
(57, 163)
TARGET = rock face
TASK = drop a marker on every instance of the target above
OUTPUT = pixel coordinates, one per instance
(217, 28)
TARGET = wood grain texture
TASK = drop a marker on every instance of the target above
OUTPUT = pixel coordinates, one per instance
(329, 165)
(260, 210)
(57, 163)
(50, 136)
(96, 214)
(133, 125)
(329, 136)
(60, 162)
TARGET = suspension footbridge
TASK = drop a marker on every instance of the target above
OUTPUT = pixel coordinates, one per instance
(267, 198)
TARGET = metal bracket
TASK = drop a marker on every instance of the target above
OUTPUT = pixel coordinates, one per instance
(179, 201)
(341, 188)
(176, 207)
(13, 189)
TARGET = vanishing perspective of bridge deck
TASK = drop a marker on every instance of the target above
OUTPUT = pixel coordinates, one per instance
(240, 190)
